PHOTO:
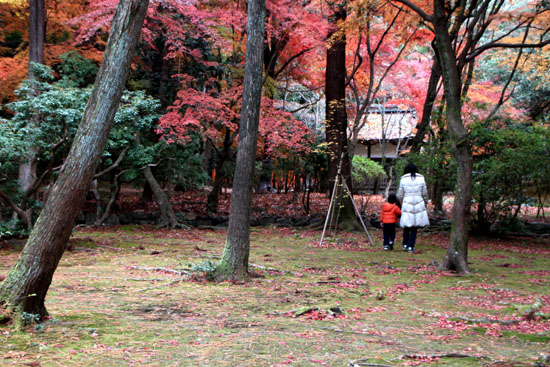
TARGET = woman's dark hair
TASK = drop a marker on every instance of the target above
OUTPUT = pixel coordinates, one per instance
(392, 199)
(411, 168)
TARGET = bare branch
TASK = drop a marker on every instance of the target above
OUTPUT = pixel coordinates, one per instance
(15, 208)
(114, 165)
(427, 17)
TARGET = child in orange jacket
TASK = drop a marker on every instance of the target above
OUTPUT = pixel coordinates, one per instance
(389, 217)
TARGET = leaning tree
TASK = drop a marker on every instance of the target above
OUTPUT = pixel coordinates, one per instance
(26, 285)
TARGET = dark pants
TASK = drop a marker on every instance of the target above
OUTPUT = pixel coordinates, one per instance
(409, 236)
(389, 234)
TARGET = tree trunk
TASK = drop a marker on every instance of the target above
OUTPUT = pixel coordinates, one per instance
(234, 262)
(437, 196)
(114, 191)
(26, 286)
(335, 94)
(431, 95)
(457, 254)
(336, 116)
(223, 156)
(37, 32)
(168, 217)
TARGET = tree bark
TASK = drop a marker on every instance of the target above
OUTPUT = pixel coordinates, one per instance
(234, 262)
(457, 254)
(335, 94)
(27, 283)
(337, 118)
(37, 32)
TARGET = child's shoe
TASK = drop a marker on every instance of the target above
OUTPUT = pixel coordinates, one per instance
(404, 247)
(411, 249)
(386, 248)
(391, 245)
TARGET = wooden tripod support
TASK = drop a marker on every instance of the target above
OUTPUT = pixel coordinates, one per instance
(331, 206)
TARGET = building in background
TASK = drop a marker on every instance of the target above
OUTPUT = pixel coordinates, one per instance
(386, 132)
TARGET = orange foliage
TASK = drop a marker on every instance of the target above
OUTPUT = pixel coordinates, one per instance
(59, 40)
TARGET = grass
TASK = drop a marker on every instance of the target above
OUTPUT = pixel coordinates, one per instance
(399, 310)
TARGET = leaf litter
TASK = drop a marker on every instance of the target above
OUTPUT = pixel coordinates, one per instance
(115, 303)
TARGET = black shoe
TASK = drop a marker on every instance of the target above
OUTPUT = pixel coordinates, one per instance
(411, 249)
(386, 248)
(404, 247)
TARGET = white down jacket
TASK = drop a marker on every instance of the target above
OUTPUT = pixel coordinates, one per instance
(413, 193)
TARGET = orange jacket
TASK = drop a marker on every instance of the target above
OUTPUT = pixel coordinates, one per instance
(390, 212)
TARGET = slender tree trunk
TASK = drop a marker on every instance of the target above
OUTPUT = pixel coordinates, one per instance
(27, 283)
(431, 95)
(37, 32)
(223, 156)
(114, 194)
(213, 196)
(457, 254)
(234, 262)
(437, 196)
(168, 217)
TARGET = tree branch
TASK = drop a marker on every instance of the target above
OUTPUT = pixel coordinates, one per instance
(294, 57)
(427, 17)
(15, 208)
(488, 46)
(114, 165)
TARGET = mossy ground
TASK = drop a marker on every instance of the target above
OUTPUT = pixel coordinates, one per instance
(399, 310)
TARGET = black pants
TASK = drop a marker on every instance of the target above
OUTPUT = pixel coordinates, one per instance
(389, 234)
(409, 236)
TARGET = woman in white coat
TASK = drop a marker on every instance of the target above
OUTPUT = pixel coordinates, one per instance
(413, 195)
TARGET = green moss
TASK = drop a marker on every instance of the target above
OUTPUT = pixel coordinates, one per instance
(532, 338)
(105, 309)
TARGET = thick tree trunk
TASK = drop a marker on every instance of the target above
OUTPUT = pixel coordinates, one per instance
(234, 262)
(26, 286)
(337, 118)
(37, 32)
(457, 254)
(168, 217)
(335, 94)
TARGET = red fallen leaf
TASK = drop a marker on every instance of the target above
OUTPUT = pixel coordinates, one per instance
(32, 364)
(13, 354)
